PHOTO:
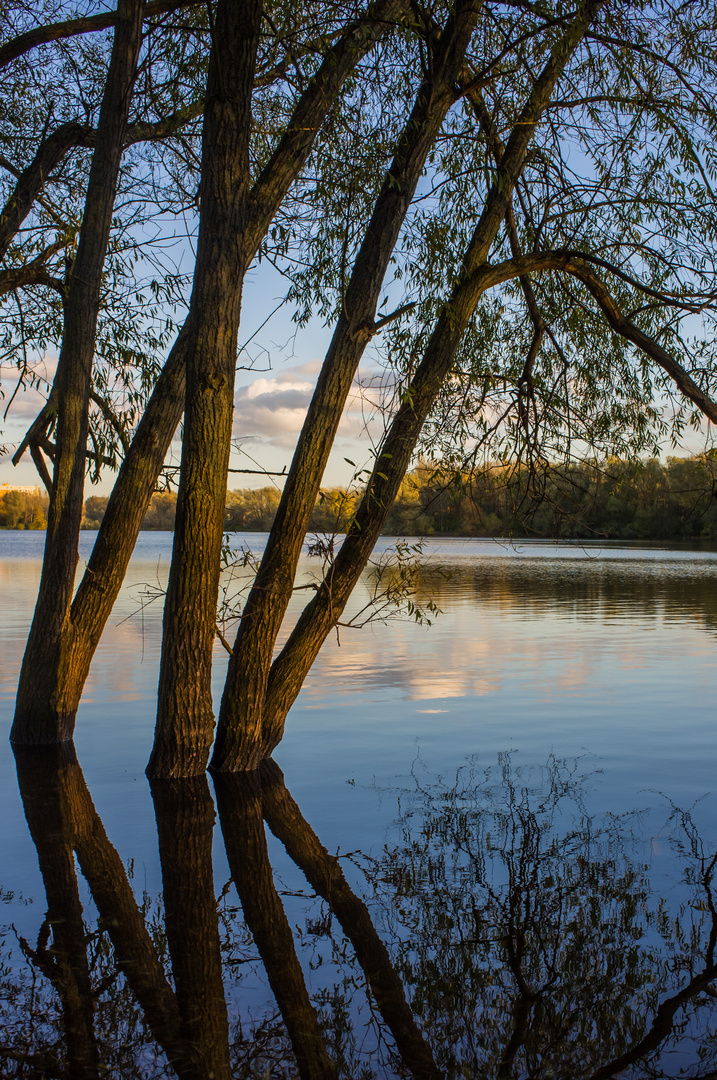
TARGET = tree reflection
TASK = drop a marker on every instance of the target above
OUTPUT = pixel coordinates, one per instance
(240, 811)
(185, 822)
(602, 587)
(536, 948)
(505, 933)
(324, 873)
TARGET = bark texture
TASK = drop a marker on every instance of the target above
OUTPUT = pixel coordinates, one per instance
(37, 717)
(241, 744)
(239, 740)
(67, 667)
(185, 719)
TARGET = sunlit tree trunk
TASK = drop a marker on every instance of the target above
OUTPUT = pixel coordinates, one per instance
(239, 742)
(65, 669)
(37, 717)
(185, 718)
(245, 737)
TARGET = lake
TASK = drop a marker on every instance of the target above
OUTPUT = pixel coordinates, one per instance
(485, 848)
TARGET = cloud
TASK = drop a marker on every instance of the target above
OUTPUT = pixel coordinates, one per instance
(272, 409)
(28, 400)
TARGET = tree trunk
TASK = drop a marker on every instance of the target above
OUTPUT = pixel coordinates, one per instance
(65, 670)
(242, 746)
(185, 719)
(38, 719)
(239, 741)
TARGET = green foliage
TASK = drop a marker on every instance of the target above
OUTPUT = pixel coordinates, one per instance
(622, 169)
(95, 508)
(160, 514)
(647, 500)
(23, 510)
(251, 510)
(254, 509)
(614, 500)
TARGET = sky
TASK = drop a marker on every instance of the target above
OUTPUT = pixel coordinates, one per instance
(278, 367)
(277, 370)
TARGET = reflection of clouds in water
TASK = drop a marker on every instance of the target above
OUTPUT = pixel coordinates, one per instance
(439, 685)
(114, 673)
(19, 580)
(633, 659)
(573, 675)
(558, 635)
(551, 629)
(487, 685)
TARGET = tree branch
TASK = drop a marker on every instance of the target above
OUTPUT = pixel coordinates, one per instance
(577, 266)
(109, 415)
(41, 467)
(32, 179)
(34, 272)
(38, 428)
(41, 35)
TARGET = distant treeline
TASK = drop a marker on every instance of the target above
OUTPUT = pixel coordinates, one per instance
(23, 510)
(652, 500)
(648, 500)
(249, 510)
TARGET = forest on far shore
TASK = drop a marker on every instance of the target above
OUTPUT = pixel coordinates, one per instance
(651, 500)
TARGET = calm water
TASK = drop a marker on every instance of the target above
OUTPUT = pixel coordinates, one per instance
(520, 797)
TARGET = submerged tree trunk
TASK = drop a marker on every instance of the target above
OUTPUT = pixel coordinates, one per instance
(65, 669)
(185, 718)
(239, 741)
(244, 738)
(38, 719)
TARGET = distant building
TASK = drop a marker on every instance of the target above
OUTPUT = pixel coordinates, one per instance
(5, 488)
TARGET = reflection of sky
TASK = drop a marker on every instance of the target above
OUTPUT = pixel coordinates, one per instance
(537, 650)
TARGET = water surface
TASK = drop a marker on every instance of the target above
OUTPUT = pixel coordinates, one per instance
(520, 796)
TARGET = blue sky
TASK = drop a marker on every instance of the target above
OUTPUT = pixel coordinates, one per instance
(275, 379)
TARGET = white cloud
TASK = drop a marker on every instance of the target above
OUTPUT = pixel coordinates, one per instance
(27, 400)
(271, 409)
